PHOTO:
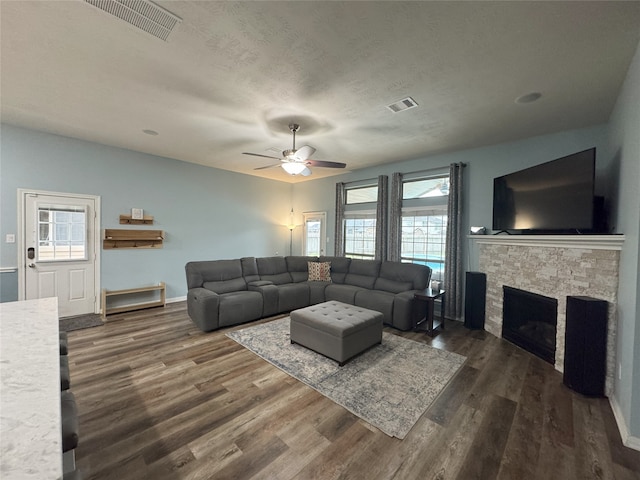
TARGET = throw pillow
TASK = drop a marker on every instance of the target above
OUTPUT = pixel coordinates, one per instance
(319, 271)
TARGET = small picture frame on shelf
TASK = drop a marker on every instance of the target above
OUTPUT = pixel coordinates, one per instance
(137, 213)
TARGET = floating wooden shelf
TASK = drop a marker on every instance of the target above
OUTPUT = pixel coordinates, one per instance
(114, 238)
(106, 294)
(127, 220)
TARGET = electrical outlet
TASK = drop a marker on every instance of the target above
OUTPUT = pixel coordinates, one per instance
(10, 238)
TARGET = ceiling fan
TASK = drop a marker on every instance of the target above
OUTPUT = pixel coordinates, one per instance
(297, 162)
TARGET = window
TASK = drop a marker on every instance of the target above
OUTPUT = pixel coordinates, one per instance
(360, 236)
(424, 223)
(360, 222)
(62, 233)
(362, 195)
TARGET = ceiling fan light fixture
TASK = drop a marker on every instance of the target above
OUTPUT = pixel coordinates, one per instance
(293, 168)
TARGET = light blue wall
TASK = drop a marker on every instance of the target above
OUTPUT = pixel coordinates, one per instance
(483, 165)
(625, 145)
(206, 213)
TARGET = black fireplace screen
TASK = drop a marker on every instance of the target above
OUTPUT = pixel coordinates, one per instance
(529, 320)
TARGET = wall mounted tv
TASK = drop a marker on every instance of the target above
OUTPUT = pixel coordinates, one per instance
(553, 197)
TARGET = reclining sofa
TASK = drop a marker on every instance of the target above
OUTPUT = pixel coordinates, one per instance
(223, 293)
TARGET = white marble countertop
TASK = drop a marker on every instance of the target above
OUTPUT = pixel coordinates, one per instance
(30, 423)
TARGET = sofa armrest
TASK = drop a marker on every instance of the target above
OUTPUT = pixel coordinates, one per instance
(202, 307)
(404, 310)
(258, 283)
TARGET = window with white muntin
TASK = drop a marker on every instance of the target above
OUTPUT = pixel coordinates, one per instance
(360, 221)
(424, 222)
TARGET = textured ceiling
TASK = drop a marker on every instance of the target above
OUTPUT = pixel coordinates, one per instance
(233, 75)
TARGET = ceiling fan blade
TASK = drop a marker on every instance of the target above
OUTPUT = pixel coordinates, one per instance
(306, 172)
(268, 166)
(303, 153)
(259, 155)
(322, 163)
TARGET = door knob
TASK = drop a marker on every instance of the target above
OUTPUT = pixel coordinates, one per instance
(32, 265)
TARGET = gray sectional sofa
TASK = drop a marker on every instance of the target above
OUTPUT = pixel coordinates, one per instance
(222, 293)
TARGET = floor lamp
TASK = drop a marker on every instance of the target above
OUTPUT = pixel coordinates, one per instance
(291, 226)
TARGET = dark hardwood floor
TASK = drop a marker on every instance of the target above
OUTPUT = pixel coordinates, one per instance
(158, 399)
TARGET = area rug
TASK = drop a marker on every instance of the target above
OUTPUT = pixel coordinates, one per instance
(389, 386)
(79, 322)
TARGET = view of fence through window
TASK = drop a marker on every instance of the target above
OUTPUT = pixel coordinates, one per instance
(62, 233)
(423, 240)
(360, 237)
(312, 245)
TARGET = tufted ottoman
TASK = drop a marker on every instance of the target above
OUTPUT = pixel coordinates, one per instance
(336, 330)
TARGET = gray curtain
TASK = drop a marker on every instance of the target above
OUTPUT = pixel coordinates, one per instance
(382, 218)
(395, 218)
(338, 248)
(453, 249)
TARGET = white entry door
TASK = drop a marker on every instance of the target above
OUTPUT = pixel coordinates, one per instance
(314, 236)
(59, 256)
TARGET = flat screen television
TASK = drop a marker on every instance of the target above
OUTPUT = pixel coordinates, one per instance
(553, 197)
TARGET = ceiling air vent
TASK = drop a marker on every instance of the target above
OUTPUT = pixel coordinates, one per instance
(142, 14)
(404, 104)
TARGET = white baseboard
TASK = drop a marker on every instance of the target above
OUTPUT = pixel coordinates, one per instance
(177, 299)
(627, 440)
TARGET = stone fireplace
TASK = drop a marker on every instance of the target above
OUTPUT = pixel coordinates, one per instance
(553, 266)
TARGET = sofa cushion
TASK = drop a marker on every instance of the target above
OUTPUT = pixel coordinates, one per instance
(316, 292)
(418, 275)
(292, 296)
(319, 271)
(249, 269)
(341, 293)
(297, 267)
(362, 273)
(369, 268)
(226, 286)
(376, 300)
(273, 269)
(213, 271)
(239, 307)
(339, 267)
(392, 286)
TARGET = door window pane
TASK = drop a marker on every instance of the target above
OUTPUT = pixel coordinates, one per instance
(62, 233)
(312, 247)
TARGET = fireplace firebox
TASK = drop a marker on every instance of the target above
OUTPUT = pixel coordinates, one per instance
(529, 320)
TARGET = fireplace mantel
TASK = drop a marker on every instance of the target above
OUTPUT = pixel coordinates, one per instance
(594, 242)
